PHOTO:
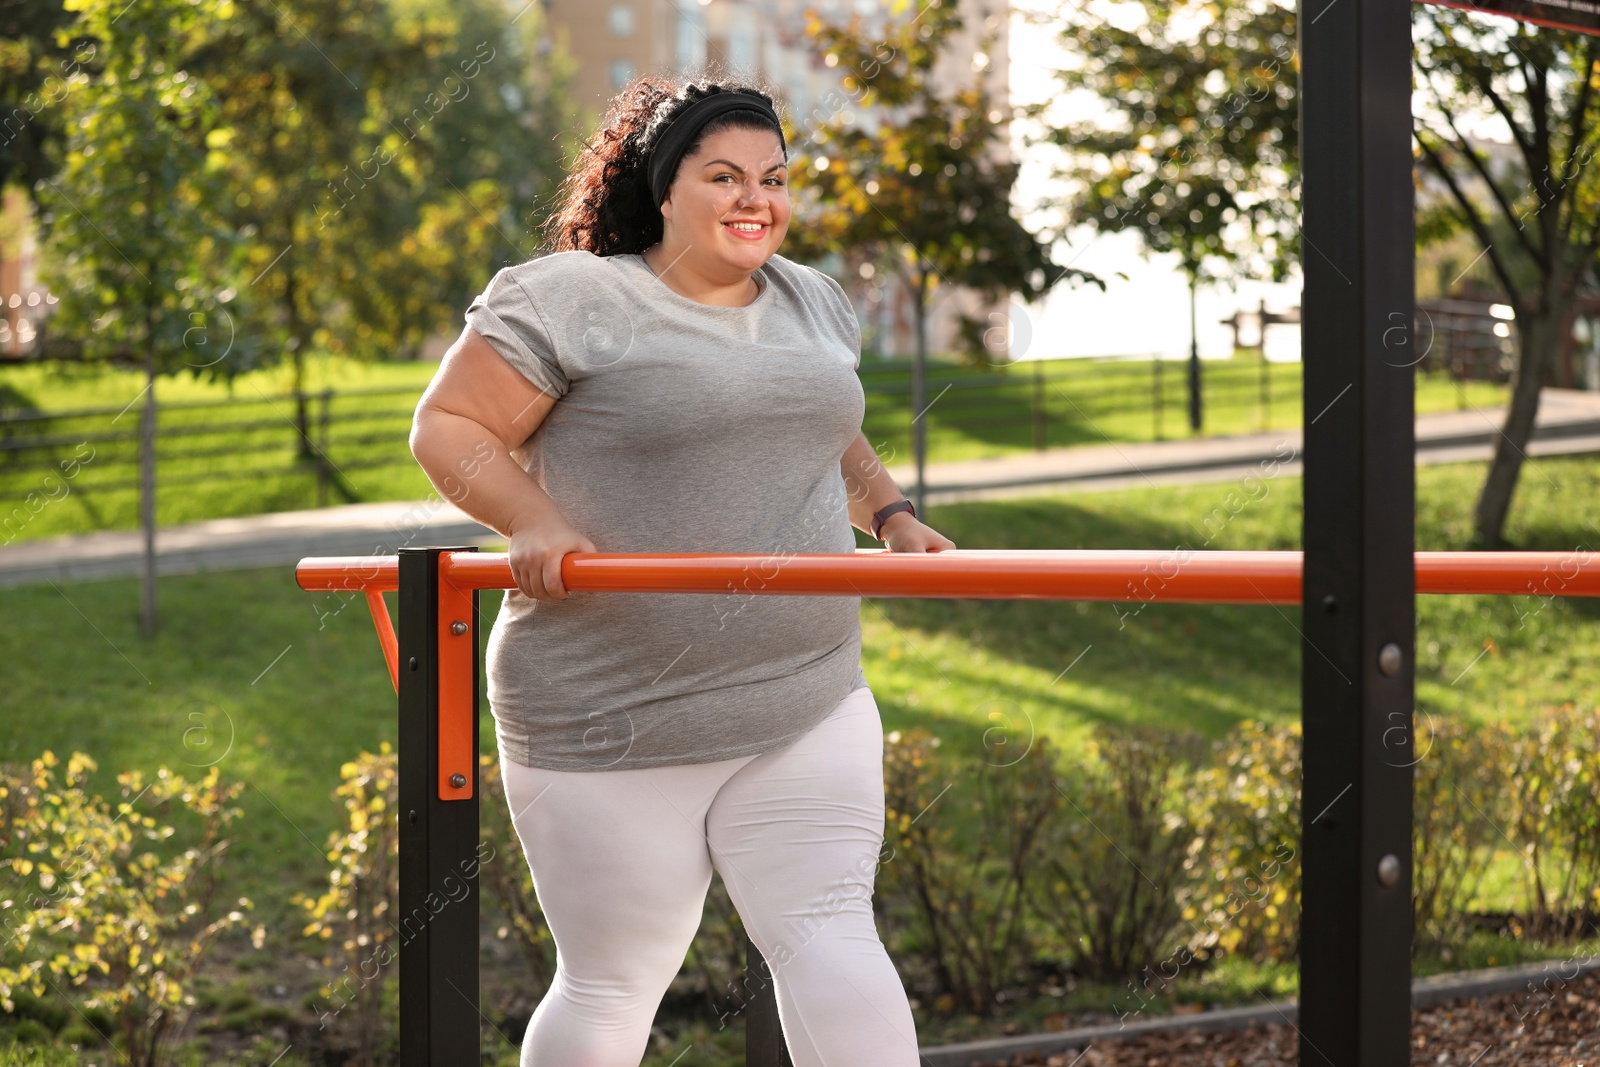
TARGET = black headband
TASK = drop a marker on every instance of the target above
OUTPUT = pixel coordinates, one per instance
(681, 131)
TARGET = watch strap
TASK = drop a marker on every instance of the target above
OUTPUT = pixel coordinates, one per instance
(883, 513)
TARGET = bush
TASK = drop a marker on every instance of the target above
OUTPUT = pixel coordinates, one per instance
(1556, 814)
(20, 1055)
(963, 895)
(1249, 801)
(354, 915)
(1460, 786)
(508, 884)
(101, 909)
(1122, 853)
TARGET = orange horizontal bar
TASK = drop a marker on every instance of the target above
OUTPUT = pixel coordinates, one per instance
(1170, 575)
(363, 573)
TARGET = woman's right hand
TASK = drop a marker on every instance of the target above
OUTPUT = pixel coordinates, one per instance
(535, 554)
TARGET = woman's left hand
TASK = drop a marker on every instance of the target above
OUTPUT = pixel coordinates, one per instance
(904, 532)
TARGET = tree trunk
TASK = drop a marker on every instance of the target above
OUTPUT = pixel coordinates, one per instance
(302, 406)
(302, 414)
(1537, 337)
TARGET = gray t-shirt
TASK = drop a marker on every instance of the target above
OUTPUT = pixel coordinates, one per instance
(681, 427)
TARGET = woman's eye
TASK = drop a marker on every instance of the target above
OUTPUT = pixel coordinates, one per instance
(774, 181)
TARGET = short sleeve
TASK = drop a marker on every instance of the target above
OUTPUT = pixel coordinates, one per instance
(506, 315)
(849, 325)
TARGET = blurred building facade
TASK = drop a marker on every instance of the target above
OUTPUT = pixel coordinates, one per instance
(24, 302)
(612, 41)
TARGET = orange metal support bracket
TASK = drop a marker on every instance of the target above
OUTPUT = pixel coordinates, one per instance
(385, 627)
(458, 658)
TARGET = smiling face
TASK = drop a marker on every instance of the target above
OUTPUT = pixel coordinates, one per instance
(728, 207)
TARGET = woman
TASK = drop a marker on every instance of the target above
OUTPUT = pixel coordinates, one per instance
(664, 381)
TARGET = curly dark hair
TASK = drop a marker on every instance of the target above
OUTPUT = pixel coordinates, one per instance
(604, 205)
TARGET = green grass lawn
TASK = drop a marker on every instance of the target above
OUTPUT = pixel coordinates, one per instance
(243, 651)
(243, 673)
(242, 461)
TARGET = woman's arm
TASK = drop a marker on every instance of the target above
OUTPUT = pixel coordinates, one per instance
(474, 412)
(869, 488)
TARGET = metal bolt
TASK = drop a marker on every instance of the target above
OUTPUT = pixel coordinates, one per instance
(458, 781)
(458, 627)
(412, 663)
(1389, 659)
(1389, 870)
(1330, 603)
(413, 814)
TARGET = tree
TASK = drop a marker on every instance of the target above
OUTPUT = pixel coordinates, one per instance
(38, 54)
(1199, 154)
(134, 253)
(293, 81)
(1536, 218)
(385, 150)
(475, 139)
(928, 190)
(38, 57)
(1196, 149)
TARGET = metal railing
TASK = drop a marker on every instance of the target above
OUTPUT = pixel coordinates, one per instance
(1038, 405)
(220, 441)
(434, 664)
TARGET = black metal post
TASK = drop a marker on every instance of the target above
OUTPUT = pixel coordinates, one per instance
(1038, 405)
(437, 925)
(1266, 391)
(763, 1033)
(1194, 357)
(1359, 592)
(1156, 365)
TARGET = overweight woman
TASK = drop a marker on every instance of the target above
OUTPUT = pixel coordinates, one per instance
(665, 381)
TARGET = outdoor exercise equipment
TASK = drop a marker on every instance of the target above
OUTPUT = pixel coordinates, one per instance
(1356, 585)
(435, 669)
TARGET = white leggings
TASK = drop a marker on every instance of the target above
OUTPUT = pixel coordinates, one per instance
(622, 861)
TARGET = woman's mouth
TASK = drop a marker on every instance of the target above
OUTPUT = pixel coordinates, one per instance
(747, 231)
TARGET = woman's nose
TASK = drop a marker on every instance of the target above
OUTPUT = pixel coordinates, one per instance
(756, 193)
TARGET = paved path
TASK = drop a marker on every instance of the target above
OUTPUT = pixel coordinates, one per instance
(1569, 422)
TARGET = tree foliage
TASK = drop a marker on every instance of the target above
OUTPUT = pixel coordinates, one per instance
(36, 59)
(1196, 146)
(926, 190)
(386, 155)
(141, 265)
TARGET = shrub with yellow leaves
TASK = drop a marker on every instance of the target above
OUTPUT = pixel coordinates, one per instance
(353, 915)
(108, 901)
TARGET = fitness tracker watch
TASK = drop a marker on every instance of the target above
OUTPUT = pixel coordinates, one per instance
(883, 513)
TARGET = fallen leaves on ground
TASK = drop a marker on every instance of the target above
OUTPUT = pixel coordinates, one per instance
(1554, 1025)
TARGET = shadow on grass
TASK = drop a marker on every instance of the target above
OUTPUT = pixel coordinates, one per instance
(1193, 667)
